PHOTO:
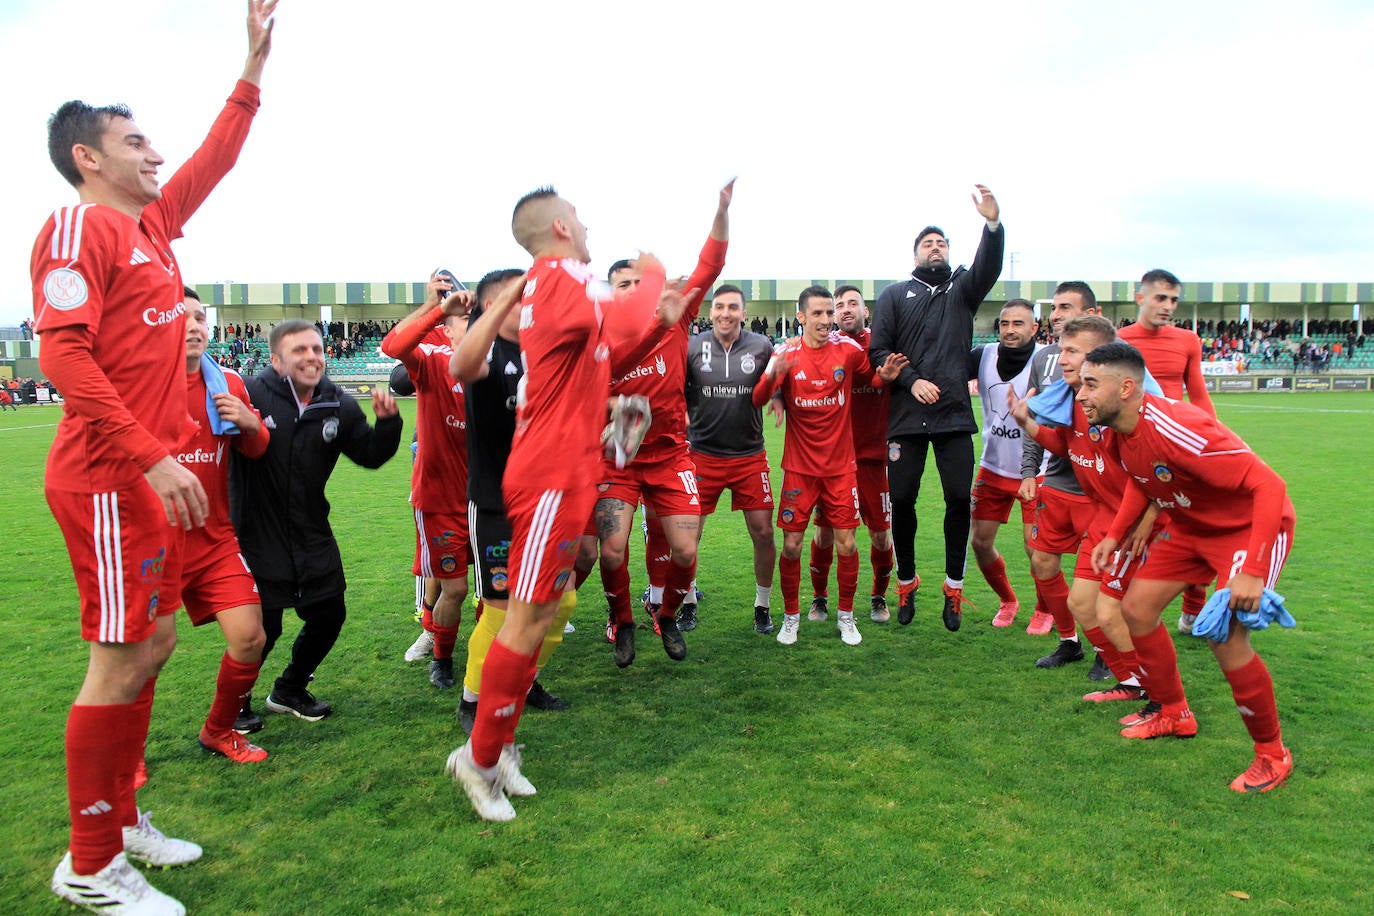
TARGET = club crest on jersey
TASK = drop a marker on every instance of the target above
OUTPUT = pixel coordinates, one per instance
(1095, 433)
(838, 374)
(746, 363)
(787, 515)
(65, 289)
(894, 451)
(330, 429)
(1162, 473)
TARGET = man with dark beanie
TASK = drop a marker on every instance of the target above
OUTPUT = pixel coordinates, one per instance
(929, 320)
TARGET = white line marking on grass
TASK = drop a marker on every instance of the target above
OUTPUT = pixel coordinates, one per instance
(1230, 405)
(5, 429)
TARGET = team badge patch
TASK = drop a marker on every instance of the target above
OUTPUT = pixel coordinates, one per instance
(603, 487)
(152, 608)
(894, 451)
(65, 289)
(1162, 473)
(787, 515)
(561, 582)
(499, 579)
(447, 563)
(1095, 433)
(1035, 532)
(747, 364)
(838, 374)
(330, 430)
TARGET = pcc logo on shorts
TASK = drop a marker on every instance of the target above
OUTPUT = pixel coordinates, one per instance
(65, 289)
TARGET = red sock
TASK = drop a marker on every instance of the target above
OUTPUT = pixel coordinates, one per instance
(506, 678)
(1194, 598)
(1111, 655)
(821, 558)
(657, 554)
(1130, 662)
(616, 583)
(1053, 594)
(675, 590)
(427, 617)
(1158, 667)
(95, 736)
(138, 742)
(881, 561)
(847, 578)
(996, 574)
(235, 681)
(1253, 690)
(789, 578)
(444, 640)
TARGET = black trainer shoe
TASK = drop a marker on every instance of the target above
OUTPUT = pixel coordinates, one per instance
(820, 609)
(763, 621)
(540, 698)
(1067, 651)
(441, 673)
(248, 721)
(673, 643)
(1100, 671)
(467, 715)
(298, 701)
(624, 644)
(906, 601)
(687, 617)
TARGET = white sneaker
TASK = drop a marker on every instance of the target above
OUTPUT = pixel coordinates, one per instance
(508, 766)
(146, 844)
(1185, 623)
(791, 623)
(422, 647)
(849, 631)
(484, 792)
(116, 888)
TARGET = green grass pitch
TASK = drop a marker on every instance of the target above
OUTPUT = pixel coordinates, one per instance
(922, 771)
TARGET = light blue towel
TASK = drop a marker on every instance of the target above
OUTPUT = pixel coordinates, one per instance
(1214, 621)
(215, 384)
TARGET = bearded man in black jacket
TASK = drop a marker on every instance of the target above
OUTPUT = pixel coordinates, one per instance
(929, 320)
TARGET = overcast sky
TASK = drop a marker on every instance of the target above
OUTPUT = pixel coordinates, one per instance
(1222, 140)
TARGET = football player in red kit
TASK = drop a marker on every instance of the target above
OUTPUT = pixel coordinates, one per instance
(1174, 357)
(568, 325)
(216, 583)
(817, 378)
(108, 304)
(1229, 519)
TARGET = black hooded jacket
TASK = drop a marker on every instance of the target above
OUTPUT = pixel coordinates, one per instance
(932, 325)
(277, 502)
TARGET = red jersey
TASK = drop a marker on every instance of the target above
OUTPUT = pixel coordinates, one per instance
(1174, 358)
(439, 477)
(568, 325)
(1100, 475)
(204, 455)
(661, 375)
(1207, 479)
(99, 270)
(869, 417)
(818, 392)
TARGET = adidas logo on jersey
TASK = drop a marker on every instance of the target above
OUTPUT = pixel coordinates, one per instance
(511, 369)
(100, 807)
(269, 423)
(137, 258)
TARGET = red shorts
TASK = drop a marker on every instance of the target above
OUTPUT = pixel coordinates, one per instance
(875, 505)
(993, 495)
(546, 527)
(1117, 578)
(217, 582)
(441, 545)
(1197, 560)
(835, 499)
(1060, 521)
(669, 487)
(125, 557)
(745, 477)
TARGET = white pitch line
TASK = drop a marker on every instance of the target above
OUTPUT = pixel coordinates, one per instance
(1229, 405)
(5, 429)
